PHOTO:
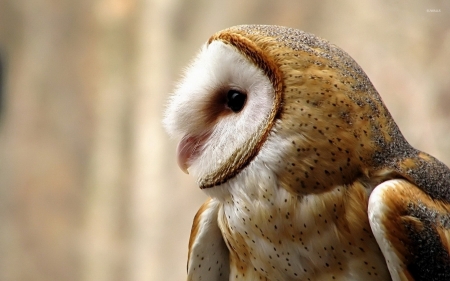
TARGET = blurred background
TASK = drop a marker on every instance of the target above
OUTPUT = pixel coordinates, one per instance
(89, 187)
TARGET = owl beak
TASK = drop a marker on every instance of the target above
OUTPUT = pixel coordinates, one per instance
(183, 155)
(188, 150)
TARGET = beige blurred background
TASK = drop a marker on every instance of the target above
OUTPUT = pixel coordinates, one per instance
(89, 187)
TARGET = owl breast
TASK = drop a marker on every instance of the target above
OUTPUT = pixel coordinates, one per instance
(275, 235)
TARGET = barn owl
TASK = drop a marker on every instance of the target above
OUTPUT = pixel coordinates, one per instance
(308, 175)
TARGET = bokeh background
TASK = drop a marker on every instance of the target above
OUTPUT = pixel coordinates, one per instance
(89, 187)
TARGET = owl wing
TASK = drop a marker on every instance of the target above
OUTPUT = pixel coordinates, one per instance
(208, 253)
(412, 230)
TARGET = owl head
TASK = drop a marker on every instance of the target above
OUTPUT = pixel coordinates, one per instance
(282, 99)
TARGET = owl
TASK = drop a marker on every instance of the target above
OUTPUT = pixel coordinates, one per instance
(308, 175)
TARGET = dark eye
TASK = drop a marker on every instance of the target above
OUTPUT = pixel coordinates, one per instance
(236, 100)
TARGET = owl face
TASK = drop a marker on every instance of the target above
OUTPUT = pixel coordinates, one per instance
(219, 111)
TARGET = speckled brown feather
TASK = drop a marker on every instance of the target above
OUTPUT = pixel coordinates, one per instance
(208, 257)
(418, 229)
(196, 226)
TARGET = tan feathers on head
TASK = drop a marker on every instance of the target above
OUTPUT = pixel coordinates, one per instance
(289, 137)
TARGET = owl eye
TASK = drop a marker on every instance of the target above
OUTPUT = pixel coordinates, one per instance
(236, 100)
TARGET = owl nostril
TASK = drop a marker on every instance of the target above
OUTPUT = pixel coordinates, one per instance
(236, 100)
